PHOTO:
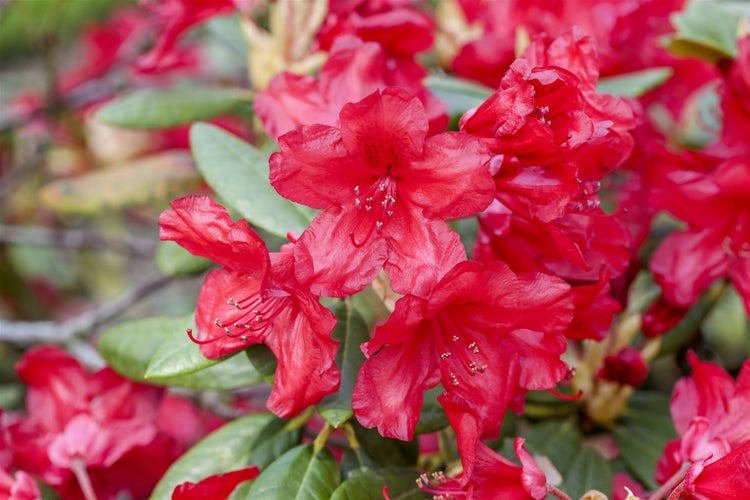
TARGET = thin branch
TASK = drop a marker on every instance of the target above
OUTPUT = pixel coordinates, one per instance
(33, 332)
(75, 238)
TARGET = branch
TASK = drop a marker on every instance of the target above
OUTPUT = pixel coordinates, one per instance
(75, 238)
(33, 332)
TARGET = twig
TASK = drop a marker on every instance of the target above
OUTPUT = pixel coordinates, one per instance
(32, 332)
(75, 238)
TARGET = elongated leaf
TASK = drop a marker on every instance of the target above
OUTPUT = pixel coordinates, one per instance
(173, 260)
(705, 29)
(559, 440)
(275, 439)
(139, 182)
(299, 474)
(163, 108)
(129, 347)
(385, 451)
(226, 449)
(368, 485)
(432, 417)
(589, 471)
(642, 432)
(460, 95)
(634, 84)
(263, 361)
(238, 172)
(351, 331)
(177, 355)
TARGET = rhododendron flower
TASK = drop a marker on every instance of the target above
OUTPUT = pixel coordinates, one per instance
(594, 311)
(96, 432)
(716, 207)
(483, 333)
(386, 189)
(216, 486)
(626, 367)
(291, 100)
(735, 103)
(709, 411)
(22, 487)
(255, 299)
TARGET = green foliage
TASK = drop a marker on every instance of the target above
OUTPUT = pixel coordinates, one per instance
(634, 84)
(173, 260)
(351, 331)
(367, 484)
(642, 432)
(706, 30)
(588, 471)
(460, 95)
(238, 172)
(164, 108)
(141, 350)
(226, 449)
(301, 473)
(558, 439)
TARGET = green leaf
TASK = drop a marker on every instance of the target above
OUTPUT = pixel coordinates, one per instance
(432, 417)
(368, 484)
(226, 449)
(460, 95)
(725, 329)
(238, 172)
(173, 260)
(589, 471)
(642, 432)
(559, 440)
(273, 441)
(299, 474)
(634, 84)
(386, 451)
(158, 177)
(706, 30)
(164, 108)
(177, 355)
(351, 331)
(129, 348)
(263, 361)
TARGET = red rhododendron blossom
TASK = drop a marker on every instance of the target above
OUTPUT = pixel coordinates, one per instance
(386, 189)
(20, 487)
(547, 111)
(709, 410)
(88, 428)
(291, 100)
(625, 367)
(716, 207)
(483, 333)
(174, 17)
(735, 104)
(255, 299)
(724, 479)
(594, 311)
(213, 487)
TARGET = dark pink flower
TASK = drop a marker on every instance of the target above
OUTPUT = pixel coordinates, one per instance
(255, 299)
(386, 189)
(20, 487)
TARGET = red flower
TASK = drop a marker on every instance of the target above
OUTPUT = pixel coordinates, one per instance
(724, 479)
(626, 367)
(483, 333)
(386, 189)
(735, 104)
(255, 299)
(354, 69)
(709, 411)
(716, 207)
(22, 487)
(98, 426)
(216, 486)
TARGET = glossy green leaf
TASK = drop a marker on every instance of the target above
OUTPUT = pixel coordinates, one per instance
(588, 471)
(227, 448)
(432, 417)
(368, 485)
(559, 440)
(386, 451)
(705, 29)
(351, 331)
(299, 474)
(129, 348)
(238, 172)
(634, 84)
(263, 361)
(642, 432)
(725, 329)
(163, 108)
(460, 95)
(274, 440)
(177, 355)
(173, 260)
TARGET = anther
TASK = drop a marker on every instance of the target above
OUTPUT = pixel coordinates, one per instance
(445, 355)
(483, 368)
(378, 225)
(217, 322)
(356, 190)
(454, 379)
(368, 208)
(358, 204)
(454, 338)
(389, 213)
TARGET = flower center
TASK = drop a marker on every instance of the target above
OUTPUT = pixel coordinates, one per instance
(737, 242)
(374, 208)
(459, 350)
